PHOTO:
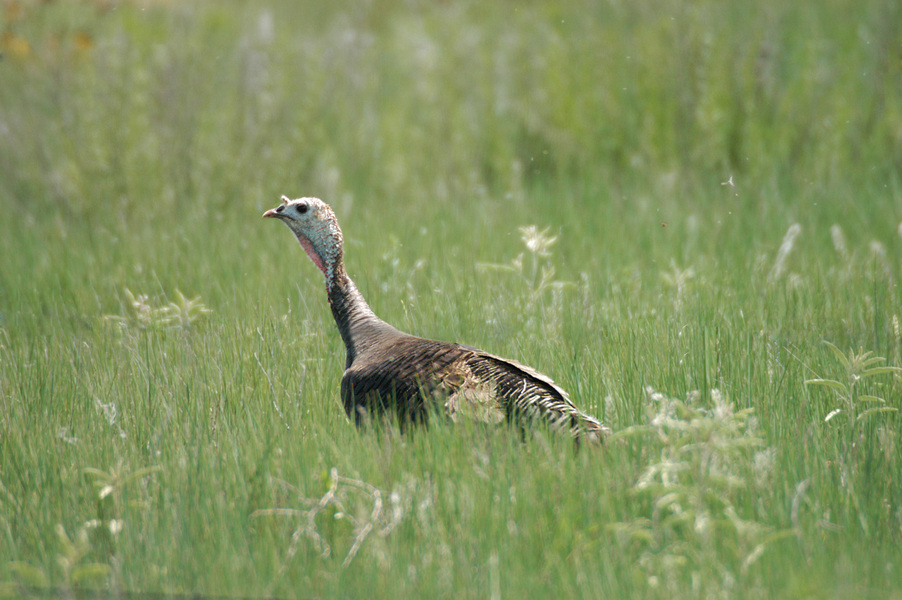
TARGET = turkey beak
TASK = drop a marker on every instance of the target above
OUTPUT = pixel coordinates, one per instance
(277, 211)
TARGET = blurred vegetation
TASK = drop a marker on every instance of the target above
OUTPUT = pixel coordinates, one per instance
(422, 101)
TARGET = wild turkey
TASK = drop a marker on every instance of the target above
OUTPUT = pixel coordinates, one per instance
(390, 371)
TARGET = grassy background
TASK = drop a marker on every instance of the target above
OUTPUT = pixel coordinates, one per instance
(139, 144)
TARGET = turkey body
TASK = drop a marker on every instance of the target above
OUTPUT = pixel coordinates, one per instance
(391, 372)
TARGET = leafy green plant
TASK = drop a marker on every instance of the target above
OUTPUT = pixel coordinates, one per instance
(110, 485)
(695, 537)
(76, 569)
(534, 275)
(858, 367)
(180, 314)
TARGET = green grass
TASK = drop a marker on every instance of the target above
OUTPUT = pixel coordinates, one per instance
(139, 145)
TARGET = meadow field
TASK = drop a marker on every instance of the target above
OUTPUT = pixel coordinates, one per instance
(689, 214)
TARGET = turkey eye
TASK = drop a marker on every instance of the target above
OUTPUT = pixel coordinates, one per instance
(302, 208)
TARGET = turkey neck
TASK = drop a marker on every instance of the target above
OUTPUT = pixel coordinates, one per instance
(357, 323)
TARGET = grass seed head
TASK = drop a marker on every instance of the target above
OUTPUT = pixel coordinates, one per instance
(783, 253)
(839, 241)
